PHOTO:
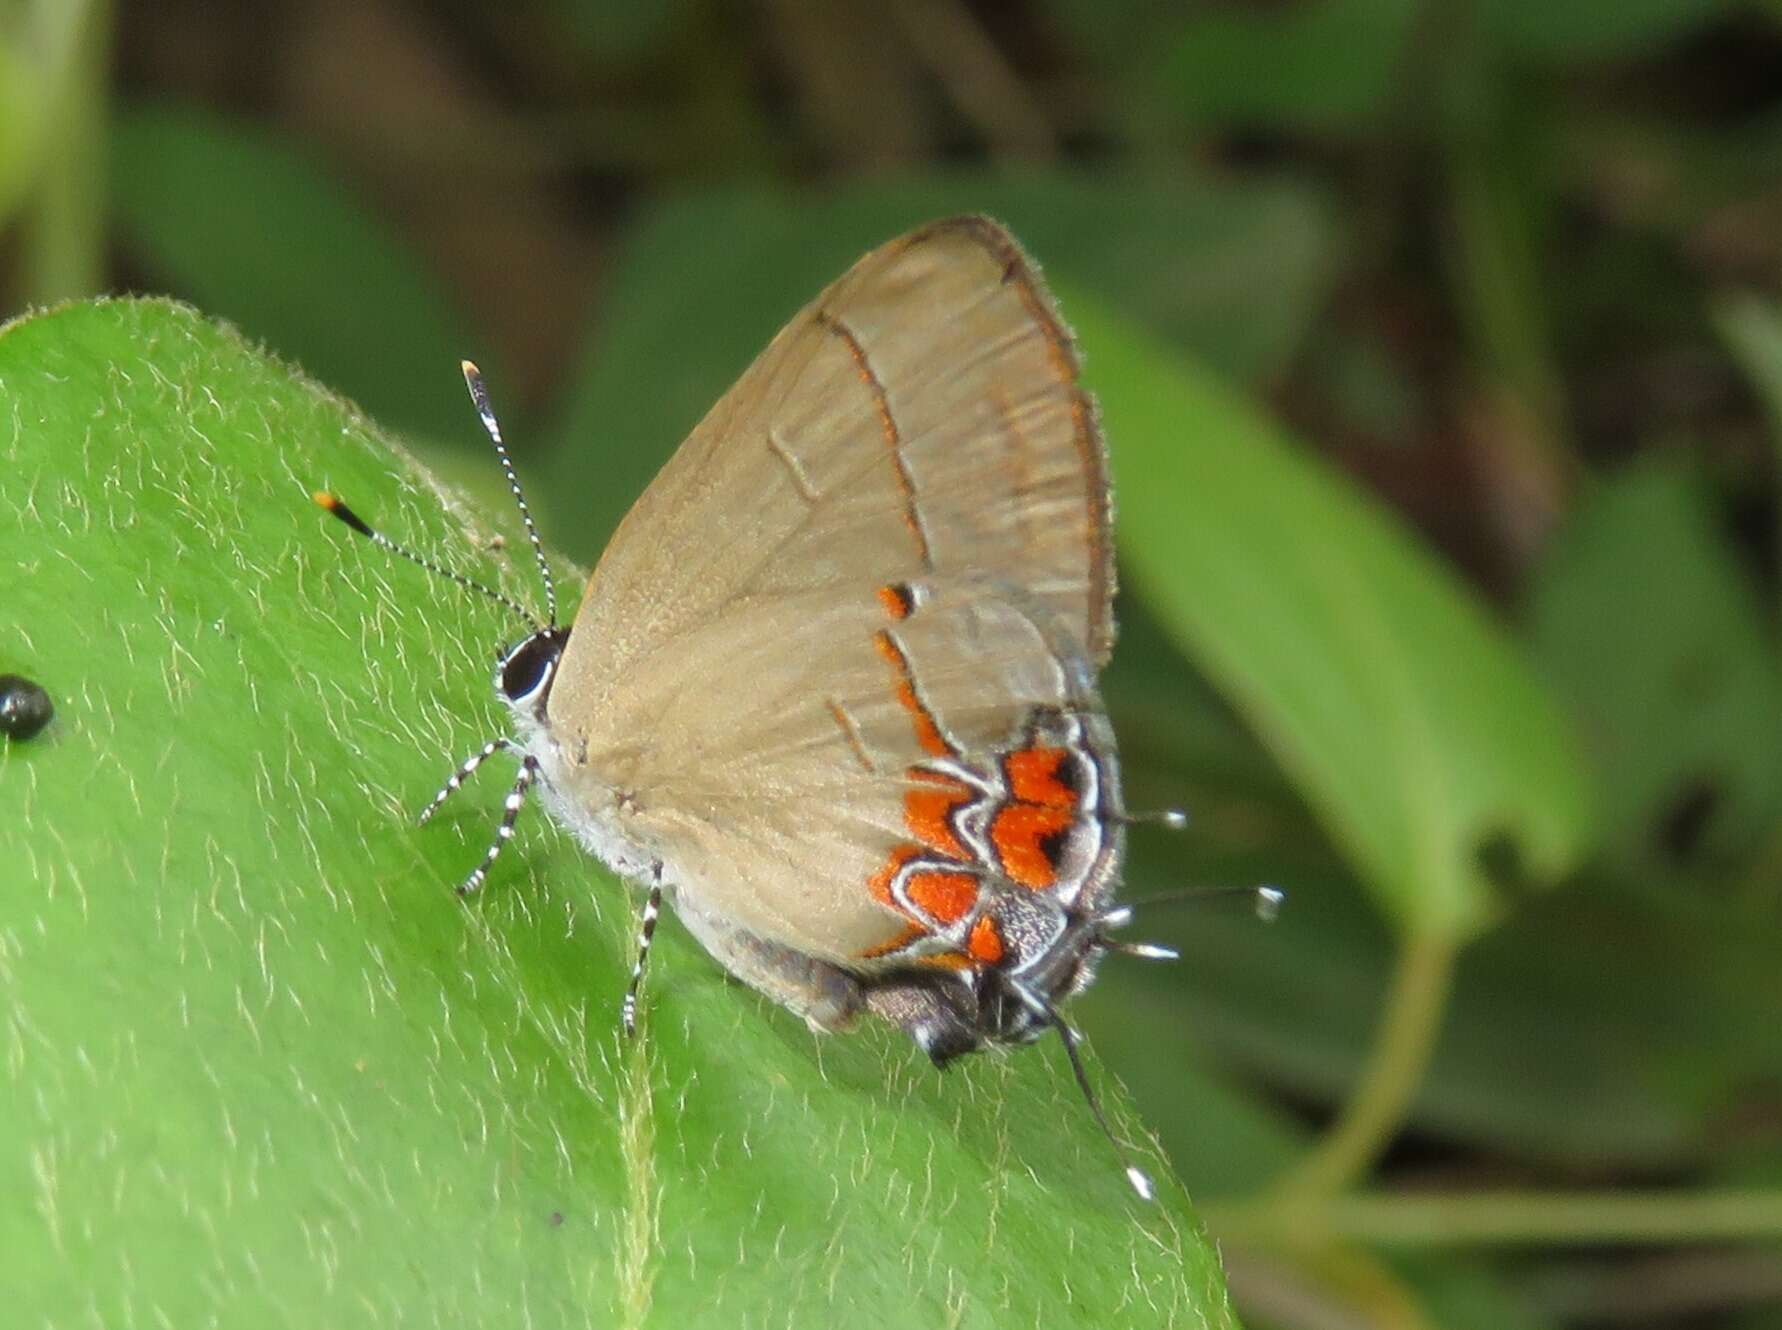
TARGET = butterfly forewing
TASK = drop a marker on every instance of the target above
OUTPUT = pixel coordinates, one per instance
(920, 419)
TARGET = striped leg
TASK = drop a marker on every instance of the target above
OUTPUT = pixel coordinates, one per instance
(647, 930)
(516, 799)
(462, 774)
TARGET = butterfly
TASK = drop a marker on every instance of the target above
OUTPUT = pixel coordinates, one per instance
(832, 688)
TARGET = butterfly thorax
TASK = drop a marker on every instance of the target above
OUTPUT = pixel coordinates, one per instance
(524, 678)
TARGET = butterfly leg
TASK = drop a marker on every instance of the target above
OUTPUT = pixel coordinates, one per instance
(646, 930)
(516, 799)
(462, 774)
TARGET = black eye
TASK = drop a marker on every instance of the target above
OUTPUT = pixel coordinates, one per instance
(529, 666)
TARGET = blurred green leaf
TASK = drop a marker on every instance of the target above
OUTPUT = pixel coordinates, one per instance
(1643, 618)
(263, 1069)
(1612, 1025)
(1181, 744)
(1327, 65)
(252, 228)
(1594, 29)
(1408, 719)
(1236, 271)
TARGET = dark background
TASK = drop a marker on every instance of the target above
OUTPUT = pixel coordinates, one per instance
(1512, 266)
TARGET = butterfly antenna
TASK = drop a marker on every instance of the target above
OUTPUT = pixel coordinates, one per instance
(333, 504)
(1171, 819)
(1266, 901)
(479, 395)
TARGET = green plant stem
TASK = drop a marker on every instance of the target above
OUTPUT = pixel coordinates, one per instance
(1414, 1009)
(63, 249)
(1497, 270)
(1509, 1218)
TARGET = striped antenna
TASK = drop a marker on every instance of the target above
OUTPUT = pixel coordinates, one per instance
(479, 396)
(333, 504)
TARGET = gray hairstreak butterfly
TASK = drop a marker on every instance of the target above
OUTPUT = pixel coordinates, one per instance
(25, 707)
(832, 687)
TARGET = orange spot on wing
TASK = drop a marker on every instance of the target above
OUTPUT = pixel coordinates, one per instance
(985, 943)
(896, 600)
(880, 882)
(947, 960)
(947, 897)
(1025, 836)
(1034, 777)
(926, 810)
(928, 733)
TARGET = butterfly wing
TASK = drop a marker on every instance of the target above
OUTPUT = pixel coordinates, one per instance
(916, 434)
(784, 786)
(920, 418)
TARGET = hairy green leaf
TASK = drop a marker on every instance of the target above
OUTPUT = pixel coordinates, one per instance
(258, 1067)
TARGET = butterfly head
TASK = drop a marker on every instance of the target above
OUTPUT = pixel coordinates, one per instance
(525, 672)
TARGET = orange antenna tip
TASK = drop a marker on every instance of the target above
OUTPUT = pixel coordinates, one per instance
(333, 504)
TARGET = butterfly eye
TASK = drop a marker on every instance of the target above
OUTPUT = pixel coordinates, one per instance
(528, 667)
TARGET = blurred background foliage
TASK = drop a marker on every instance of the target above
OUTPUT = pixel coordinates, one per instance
(1507, 270)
